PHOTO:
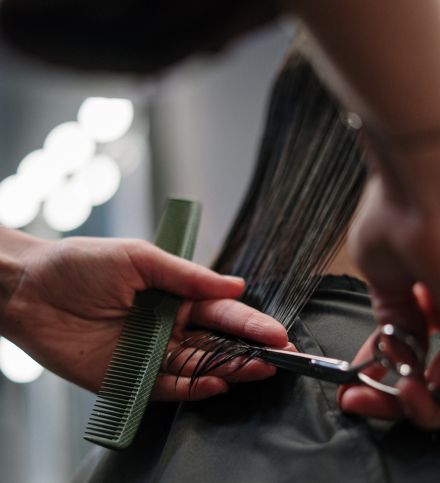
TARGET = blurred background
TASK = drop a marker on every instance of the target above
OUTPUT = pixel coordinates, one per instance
(97, 155)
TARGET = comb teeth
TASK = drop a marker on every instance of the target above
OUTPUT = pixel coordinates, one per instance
(136, 360)
(126, 386)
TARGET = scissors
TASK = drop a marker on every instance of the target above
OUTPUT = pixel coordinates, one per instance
(394, 349)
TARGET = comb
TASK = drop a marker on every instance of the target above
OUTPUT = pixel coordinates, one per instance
(136, 360)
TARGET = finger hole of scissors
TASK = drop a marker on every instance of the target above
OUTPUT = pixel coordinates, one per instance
(399, 351)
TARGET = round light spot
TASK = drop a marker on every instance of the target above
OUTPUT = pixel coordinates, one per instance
(354, 121)
(16, 365)
(19, 204)
(69, 146)
(42, 173)
(105, 119)
(68, 208)
(101, 177)
(405, 370)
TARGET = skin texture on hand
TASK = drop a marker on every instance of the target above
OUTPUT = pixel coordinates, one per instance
(396, 244)
(70, 299)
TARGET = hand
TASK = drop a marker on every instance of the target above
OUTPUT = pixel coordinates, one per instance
(226, 316)
(396, 243)
(69, 299)
(415, 401)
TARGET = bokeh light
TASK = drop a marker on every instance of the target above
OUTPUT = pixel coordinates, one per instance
(101, 177)
(42, 171)
(69, 146)
(69, 207)
(19, 204)
(16, 365)
(66, 177)
(105, 119)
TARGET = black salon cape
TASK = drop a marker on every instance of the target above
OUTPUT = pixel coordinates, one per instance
(285, 429)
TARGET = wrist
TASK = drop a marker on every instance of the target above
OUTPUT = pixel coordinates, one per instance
(10, 275)
(15, 244)
(15, 247)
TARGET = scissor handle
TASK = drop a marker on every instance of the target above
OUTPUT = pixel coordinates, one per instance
(399, 351)
(342, 372)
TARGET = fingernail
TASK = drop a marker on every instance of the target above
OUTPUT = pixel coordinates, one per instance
(234, 278)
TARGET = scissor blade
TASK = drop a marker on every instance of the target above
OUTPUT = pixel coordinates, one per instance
(379, 386)
(323, 368)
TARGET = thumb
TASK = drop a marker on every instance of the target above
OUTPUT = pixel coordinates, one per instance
(163, 271)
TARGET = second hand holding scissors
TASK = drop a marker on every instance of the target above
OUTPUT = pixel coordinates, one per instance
(390, 344)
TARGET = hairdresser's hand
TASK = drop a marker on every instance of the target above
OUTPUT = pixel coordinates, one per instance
(396, 242)
(226, 316)
(415, 402)
(64, 303)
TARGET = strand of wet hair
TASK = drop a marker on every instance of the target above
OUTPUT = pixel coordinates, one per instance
(297, 210)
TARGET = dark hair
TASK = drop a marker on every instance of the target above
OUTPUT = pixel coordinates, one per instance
(128, 35)
(298, 207)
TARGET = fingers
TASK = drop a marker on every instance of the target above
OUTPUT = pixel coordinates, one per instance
(161, 270)
(169, 388)
(370, 402)
(415, 401)
(421, 399)
(184, 362)
(354, 398)
(236, 318)
(233, 318)
(226, 316)
(418, 404)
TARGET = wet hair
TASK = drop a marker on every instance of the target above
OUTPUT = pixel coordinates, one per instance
(298, 207)
(141, 36)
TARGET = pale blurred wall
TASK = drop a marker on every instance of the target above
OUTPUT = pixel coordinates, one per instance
(42, 423)
(205, 121)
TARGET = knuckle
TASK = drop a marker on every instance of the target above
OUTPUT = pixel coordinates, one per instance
(223, 313)
(194, 278)
(253, 323)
